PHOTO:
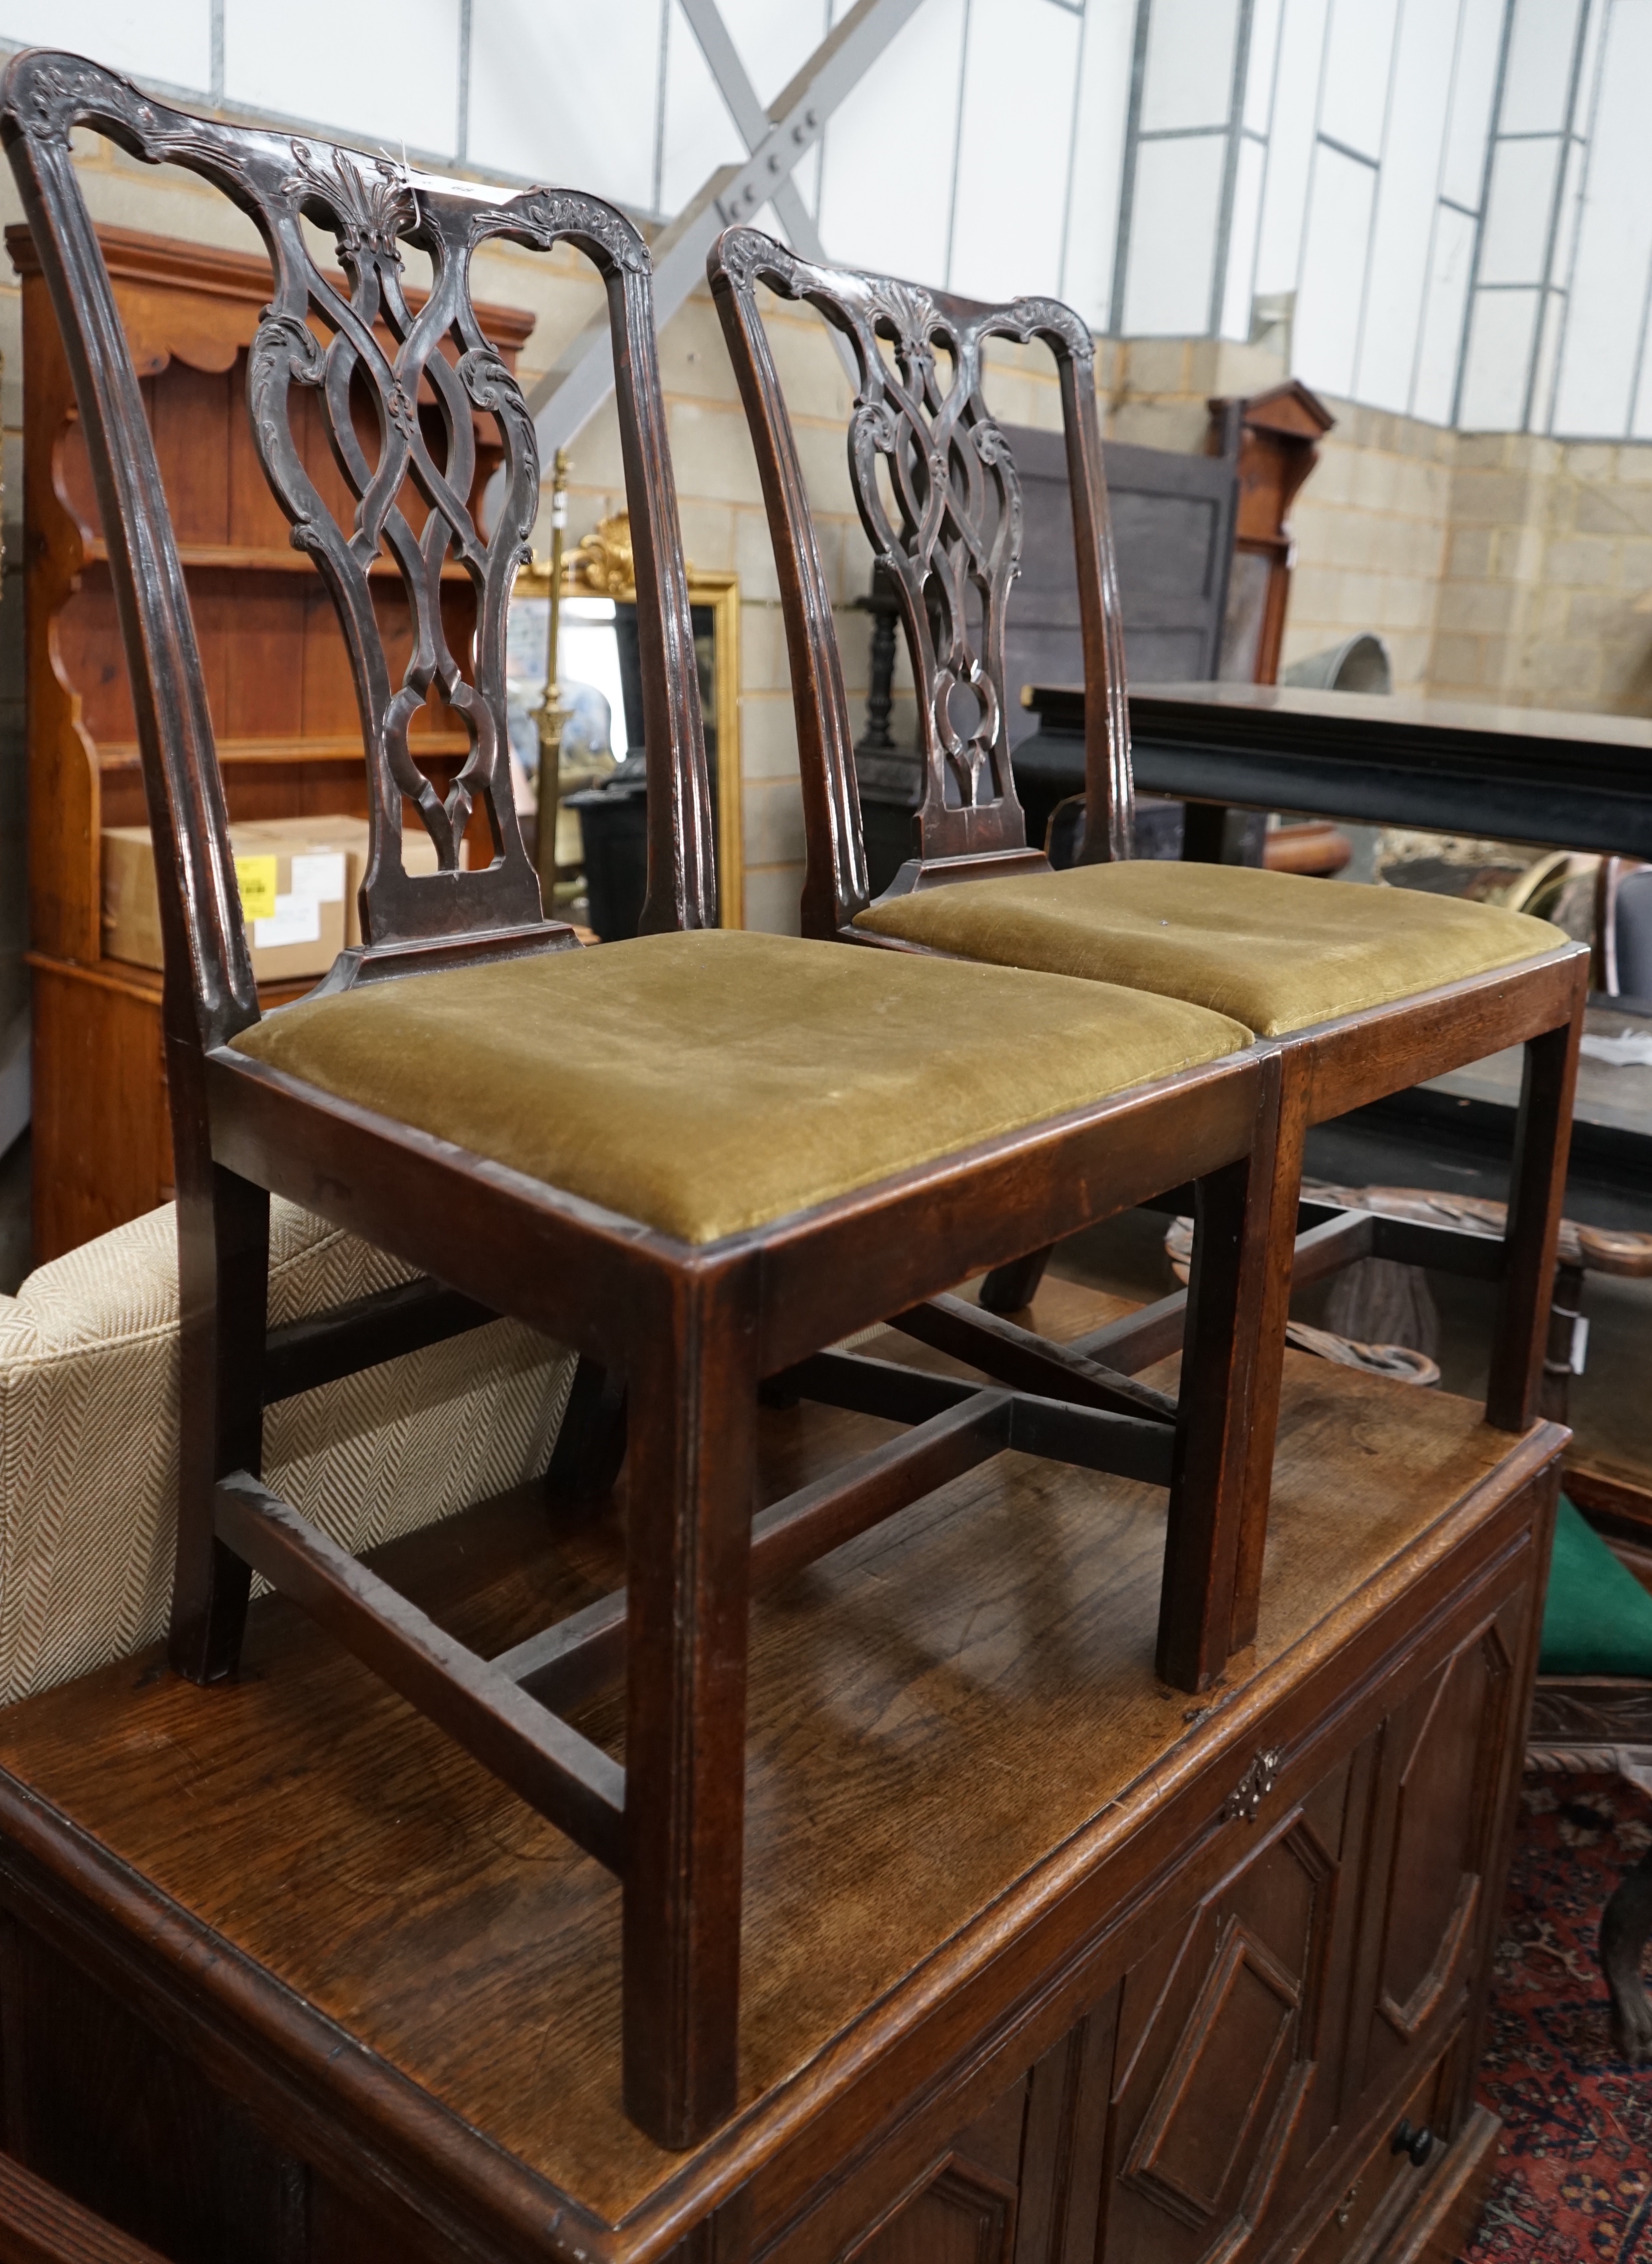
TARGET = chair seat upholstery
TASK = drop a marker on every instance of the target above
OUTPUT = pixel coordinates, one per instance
(1276, 951)
(704, 1083)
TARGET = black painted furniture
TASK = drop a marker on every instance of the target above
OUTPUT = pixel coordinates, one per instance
(1557, 780)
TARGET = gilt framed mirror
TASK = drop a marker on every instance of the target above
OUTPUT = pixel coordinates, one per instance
(595, 872)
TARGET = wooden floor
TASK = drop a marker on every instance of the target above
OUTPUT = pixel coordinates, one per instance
(949, 1718)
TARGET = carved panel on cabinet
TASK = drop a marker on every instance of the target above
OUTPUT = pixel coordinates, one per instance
(964, 2216)
(963, 2211)
(137, 2131)
(1439, 1799)
(1217, 2062)
(1022, 2183)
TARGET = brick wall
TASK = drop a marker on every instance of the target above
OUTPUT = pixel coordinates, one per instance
(1495, 566)
(1372, 529)
(1371, 525)
(1546, 598)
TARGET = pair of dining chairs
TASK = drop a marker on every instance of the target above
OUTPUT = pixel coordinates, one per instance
(702, 1158)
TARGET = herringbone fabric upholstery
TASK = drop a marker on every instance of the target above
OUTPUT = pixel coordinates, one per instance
(88, 1433)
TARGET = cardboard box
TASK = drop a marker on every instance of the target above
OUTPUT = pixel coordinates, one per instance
(293, 899)
(322, 836)
(328, 850)
(316, 860)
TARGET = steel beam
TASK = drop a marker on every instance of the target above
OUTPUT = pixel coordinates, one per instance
(751, 121)
(582, 378)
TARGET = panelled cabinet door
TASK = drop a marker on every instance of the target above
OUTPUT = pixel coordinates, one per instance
(1022, 2184)
(964, 2209)
(1222, 2029)
(1437, 1812)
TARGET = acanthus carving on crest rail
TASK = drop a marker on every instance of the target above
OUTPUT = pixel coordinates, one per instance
(544, 217)
(369, 208)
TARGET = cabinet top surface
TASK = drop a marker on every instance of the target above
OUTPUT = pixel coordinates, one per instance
(949, 1720)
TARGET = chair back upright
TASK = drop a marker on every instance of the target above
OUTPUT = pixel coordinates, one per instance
(400, 390)
(936, 486)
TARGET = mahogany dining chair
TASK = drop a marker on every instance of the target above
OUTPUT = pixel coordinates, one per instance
(1365, 990)
(701, 1157)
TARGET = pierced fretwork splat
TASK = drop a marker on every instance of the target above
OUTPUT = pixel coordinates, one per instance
(936, 486)
(953, 540)
(371, 209)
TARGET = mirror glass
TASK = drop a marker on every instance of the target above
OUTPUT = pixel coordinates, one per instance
(601, 786)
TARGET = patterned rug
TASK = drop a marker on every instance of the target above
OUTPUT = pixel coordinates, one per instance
(1574, 2181)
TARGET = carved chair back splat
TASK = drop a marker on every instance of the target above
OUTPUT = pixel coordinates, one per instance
(938, 495)
(690, 1328)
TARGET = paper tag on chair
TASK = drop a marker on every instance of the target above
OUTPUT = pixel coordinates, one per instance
(296, 920)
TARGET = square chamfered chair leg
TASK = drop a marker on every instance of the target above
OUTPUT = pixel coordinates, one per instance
(223, 1231)
(689, 1498)
(1272, 1218)
(1010, 1289)
(1232, 1356)
(1537, 1185)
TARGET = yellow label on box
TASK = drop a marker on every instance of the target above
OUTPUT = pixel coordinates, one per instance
(256, 878)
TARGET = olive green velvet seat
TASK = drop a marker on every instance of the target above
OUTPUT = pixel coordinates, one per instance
(1275, 951)
(709, 1082)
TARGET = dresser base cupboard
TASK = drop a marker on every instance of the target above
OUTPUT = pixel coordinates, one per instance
(1044, 1963)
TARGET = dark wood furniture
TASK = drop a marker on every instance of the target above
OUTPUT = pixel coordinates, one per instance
(1172, 518)
(1046, 1962)
(1558, 780)
(276, 679)
(1278, 448)
(937, 491)
(691, 1326)
(39, 2225)
(1552, 778)
(1203, 548)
